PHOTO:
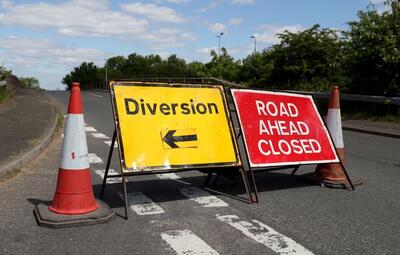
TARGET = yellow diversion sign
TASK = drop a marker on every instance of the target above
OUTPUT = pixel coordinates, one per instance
(166, 127)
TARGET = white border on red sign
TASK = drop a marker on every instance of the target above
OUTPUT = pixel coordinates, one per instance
(336, 160)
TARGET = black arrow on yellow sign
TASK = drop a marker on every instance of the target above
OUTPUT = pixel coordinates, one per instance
(171, 139)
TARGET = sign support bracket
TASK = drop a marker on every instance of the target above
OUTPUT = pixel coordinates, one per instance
(244, 171)
(124, 179)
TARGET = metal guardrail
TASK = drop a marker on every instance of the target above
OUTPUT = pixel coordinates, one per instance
(354, 98)
(206, 80)
(318, 95)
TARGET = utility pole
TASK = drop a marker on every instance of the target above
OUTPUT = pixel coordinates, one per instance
(105, 67)
(255, 42)
(219, 43)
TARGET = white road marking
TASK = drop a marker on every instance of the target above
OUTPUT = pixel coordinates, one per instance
(94, 95)
(94, 159)
(168, 176)
(62, 135)
(100, 136)
(141, 204)
(101, 172)
(90, 129)
(202, 197)
(265, 235)
(109, 143)
(185, 242)
(65, 115)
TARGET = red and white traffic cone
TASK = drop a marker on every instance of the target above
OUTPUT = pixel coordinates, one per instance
(73, 203)
(333, 174)
(74, 193)
(333, 171)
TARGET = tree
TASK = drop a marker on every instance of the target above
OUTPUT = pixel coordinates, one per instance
(4, 72)
(87, 74)
(223, 66)
(29, 82)
(172, 67)
(115, 66)
(307, 60)
(372, 52)
(256, 69)
(196, 69)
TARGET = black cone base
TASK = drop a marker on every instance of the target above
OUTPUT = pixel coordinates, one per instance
(49, 219)
(311, 178)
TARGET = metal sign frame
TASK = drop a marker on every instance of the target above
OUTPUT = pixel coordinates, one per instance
(162, 168)
(296, 166)
(117, 135)
(325, 129)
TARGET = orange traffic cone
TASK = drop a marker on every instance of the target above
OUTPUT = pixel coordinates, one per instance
(73, 203)
(74, 193)
(333, 174)
(333, 171)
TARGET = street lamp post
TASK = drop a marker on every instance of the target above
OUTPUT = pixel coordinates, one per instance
(219, 43)
(255, 42)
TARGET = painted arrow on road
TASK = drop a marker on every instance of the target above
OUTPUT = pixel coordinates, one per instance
(188, 136)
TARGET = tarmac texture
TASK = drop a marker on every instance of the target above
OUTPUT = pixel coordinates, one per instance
(26, 120)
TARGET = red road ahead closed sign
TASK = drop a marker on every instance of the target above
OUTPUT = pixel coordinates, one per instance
(282, 129)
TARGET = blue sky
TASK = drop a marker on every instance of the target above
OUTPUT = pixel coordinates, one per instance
(46, 39)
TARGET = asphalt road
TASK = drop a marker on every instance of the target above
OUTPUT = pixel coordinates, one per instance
(171, 214)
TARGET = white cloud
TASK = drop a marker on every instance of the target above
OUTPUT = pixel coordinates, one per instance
(217, 27)
(44, 58)
(188, 36)
(212, 5)
(269, 34)
(377, 1)
(178, 1)
(74, 18)
(206, 50)
(6, 4)
(153, 12)
(243, 1)
(235, 21)
(88, 18)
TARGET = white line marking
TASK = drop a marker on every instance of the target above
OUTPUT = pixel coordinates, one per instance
(94, 95)
(65, 115)
(90, 129)
(100, 135)
(62, 135)
(141, 204)
(168, 176)
(265, 235)
(202, 197)
(185, 242)
(101, 172)
(94, 159)
(109, 143)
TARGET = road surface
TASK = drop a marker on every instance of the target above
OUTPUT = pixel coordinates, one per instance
(172, 214)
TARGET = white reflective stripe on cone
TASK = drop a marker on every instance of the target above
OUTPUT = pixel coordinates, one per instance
(334, 123)
(74, 154)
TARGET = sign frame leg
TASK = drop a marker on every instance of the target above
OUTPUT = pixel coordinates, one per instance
(124, 181)
(110, 153)
(295, 169)
(244, 171)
